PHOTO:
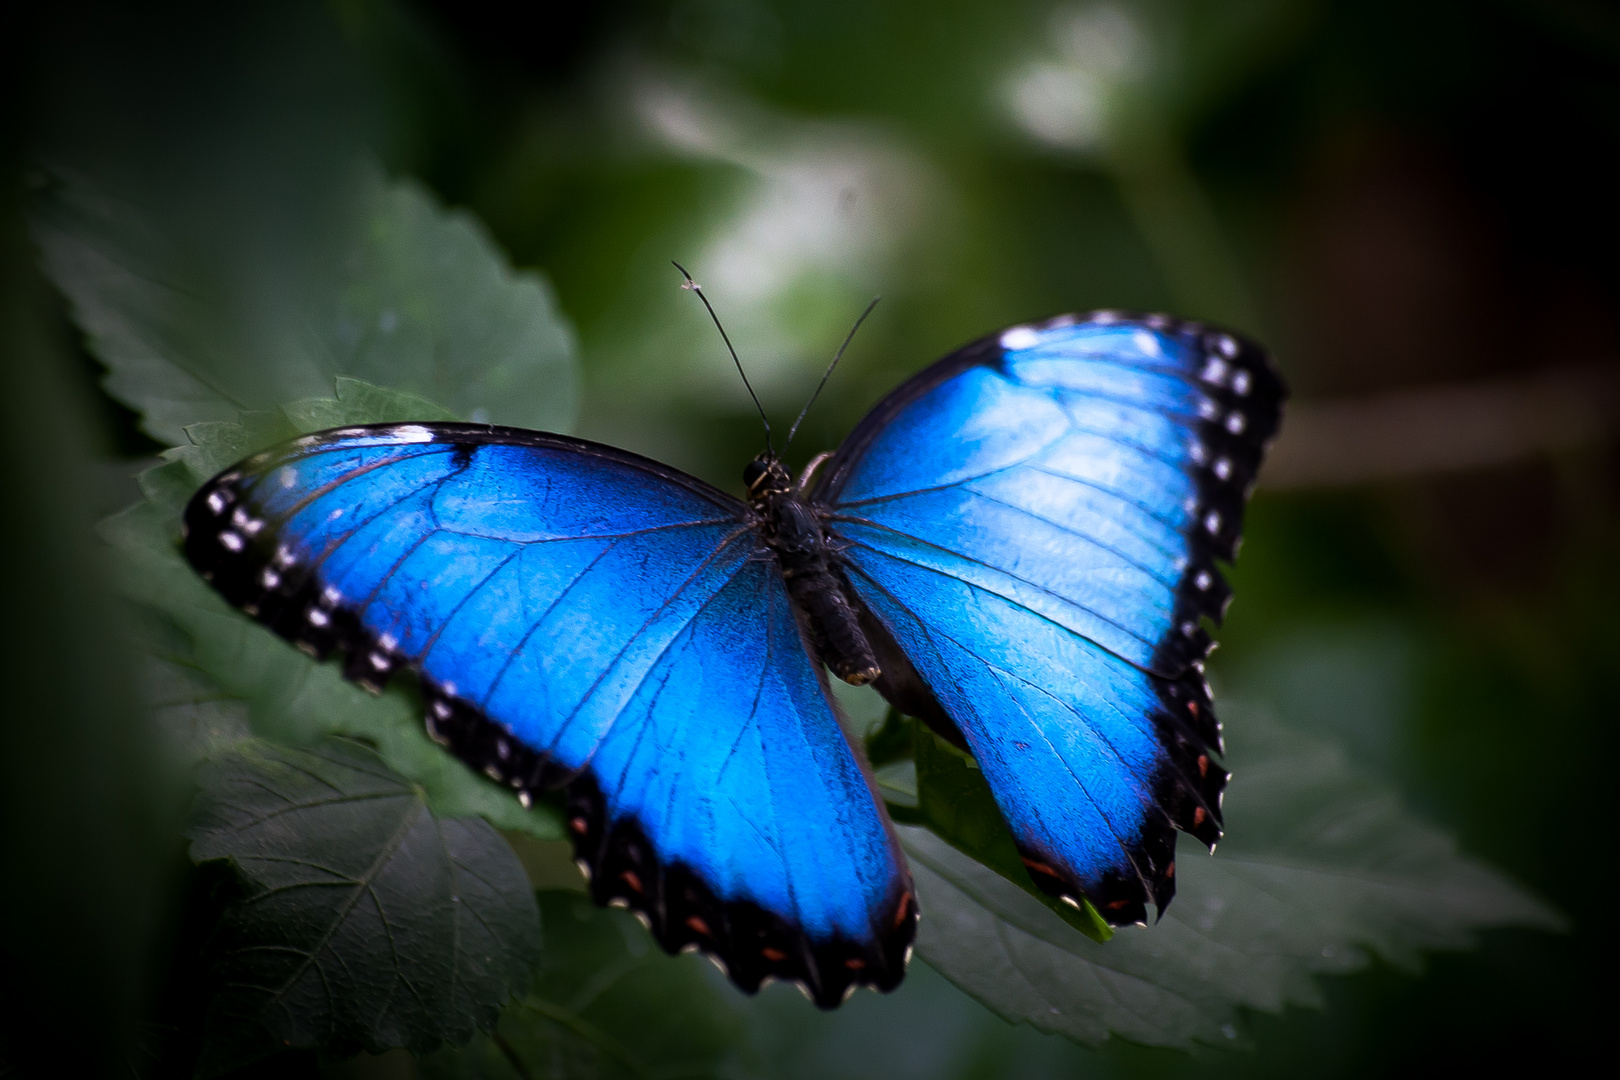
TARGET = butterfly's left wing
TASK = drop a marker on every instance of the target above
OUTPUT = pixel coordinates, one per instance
(1032, 525)
(579, 616)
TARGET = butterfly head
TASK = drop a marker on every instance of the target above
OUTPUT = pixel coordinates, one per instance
(766, 475)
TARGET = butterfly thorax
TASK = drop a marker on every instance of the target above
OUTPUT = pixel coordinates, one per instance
(793, 532)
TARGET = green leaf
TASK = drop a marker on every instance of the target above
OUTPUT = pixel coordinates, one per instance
(955, 803)
(202, 647)
(606, 1003)
(428, 304)
(198, 718)
(387, 286)
(275, 691)
(366, 923)
(891, 739)
(1322, 869)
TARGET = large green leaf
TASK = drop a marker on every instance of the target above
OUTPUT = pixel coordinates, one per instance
(391, 288)
(366, 922)
(1321, 870)
(216, 672)
(606, 1003)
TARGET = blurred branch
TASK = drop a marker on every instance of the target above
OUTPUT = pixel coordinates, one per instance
(1440, 429)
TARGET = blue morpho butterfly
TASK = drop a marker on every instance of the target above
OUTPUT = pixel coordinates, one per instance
(1017, 545)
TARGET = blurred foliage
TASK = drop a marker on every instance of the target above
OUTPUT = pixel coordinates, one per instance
(1390, 194)
(365, 922)
(606, 1002)
(1321, 869)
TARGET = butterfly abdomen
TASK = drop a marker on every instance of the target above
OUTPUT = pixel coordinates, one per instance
(795, 535)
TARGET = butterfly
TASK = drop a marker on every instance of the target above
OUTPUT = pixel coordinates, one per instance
(1018, 546)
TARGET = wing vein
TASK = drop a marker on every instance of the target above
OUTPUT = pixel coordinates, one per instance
(992, 592)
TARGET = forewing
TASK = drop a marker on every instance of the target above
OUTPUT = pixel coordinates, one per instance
(584, 618)
(1035, 523)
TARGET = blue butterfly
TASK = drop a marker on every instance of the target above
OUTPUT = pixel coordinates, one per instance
(1018, 546)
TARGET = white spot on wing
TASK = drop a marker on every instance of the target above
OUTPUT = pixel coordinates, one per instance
(413, 433)
(231, 541)
(288, 476)
(1147, 343)
(1019, 337)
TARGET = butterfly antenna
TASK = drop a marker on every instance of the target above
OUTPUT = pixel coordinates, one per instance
(695, 287)
(794, 430)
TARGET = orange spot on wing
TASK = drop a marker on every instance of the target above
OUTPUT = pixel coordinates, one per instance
(775, 956)
(698, 926)
(1037, 866)
(903, 911)
(630, 878)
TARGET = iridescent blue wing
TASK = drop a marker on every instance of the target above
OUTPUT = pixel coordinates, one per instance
(583, 618)
(1033, 525)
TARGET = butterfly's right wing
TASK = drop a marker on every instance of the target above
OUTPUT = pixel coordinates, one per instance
(581, 616)
(1035, 524)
